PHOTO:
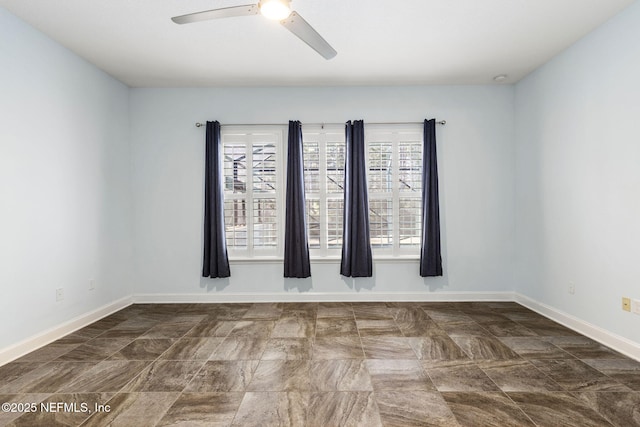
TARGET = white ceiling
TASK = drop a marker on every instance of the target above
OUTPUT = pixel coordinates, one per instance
(379, 42)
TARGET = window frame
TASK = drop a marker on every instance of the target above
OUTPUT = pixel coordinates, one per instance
(373, 133)
(249, 136)
(393, 134)
(323, 196)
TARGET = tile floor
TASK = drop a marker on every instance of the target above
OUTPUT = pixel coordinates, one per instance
(324, 364)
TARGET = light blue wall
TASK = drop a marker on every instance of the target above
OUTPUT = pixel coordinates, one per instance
(578, 177)
(476, 178)
(65, 200)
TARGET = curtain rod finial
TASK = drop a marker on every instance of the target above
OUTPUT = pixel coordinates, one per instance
(199, 125)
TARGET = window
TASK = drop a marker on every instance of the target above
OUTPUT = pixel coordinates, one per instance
(324, 188)
(253, 176)
(394, 161)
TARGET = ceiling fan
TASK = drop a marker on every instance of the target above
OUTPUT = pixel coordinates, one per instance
(271, 9)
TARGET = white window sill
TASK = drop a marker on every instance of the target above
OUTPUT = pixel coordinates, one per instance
(325, 260)
(256, 260)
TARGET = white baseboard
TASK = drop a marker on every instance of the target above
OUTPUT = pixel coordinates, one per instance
(221, 297)
(35, 342)
(616, 342)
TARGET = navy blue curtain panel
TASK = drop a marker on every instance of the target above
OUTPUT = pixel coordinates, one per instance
(356, 247)
(296, 243)
(430, 254)
(216, 261)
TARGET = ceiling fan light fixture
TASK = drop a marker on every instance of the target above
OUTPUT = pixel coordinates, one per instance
(276, 10)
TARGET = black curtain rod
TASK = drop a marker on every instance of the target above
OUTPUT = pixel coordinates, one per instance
(441, 122)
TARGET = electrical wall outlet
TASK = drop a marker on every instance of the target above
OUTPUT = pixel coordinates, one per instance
(92, 284)
(572, 288)
(635, 306)
(59, 294)
(626, 304)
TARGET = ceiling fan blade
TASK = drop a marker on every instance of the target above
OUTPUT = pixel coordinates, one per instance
(305, 32)
(225, 12)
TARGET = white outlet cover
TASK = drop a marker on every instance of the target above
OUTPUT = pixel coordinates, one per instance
(635, 306)
(59, 294)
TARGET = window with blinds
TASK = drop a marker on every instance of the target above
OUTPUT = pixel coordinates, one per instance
(394, 164)
(253, 175)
